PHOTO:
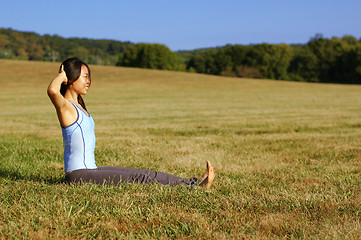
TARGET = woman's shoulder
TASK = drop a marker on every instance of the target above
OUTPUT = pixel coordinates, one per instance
(68, 113)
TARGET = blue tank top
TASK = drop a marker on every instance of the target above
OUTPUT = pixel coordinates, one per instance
(79, 143)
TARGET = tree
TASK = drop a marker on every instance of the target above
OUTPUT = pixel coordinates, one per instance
(272, 60)
(5, 51)
(223, 63)
(204, 63)
(304, 67)
(347, 66)
(80, 52)
(337, 59)
(154, 56)
(4, 41)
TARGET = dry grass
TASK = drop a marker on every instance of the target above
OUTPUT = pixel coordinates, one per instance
(287, 157)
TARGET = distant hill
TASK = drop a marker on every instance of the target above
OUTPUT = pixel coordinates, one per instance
(32, 46)
(335, 60)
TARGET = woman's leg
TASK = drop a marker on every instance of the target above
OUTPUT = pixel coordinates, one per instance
(107, 175)
(154, 176)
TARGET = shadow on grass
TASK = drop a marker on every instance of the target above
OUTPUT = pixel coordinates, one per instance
(16, 175)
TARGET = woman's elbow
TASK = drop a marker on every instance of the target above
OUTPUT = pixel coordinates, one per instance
(51, 92)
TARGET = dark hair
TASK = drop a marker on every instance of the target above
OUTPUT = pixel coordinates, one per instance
(72, 68)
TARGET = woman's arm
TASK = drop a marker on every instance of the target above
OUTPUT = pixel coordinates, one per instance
(54, 90)
(64, 109)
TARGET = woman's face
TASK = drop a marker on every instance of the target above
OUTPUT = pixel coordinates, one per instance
(81, 86)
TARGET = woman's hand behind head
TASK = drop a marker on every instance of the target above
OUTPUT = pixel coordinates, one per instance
(62, 74)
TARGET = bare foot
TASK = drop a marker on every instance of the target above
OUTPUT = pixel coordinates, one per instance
(205, 174)
(208, 176)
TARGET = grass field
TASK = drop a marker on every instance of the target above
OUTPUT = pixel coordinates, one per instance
(287, 157)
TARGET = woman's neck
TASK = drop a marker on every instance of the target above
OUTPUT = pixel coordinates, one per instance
(71, 96)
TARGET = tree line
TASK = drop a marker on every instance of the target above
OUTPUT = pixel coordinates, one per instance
(32, 46)
(335, 60)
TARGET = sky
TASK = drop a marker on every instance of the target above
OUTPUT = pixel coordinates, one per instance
(186, 24)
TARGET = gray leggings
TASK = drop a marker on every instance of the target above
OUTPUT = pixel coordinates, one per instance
(115, 175)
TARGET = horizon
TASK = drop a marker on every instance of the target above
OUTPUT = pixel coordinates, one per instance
(181, 50)
(186, 25)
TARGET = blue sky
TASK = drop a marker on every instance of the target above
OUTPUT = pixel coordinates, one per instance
(186, 24)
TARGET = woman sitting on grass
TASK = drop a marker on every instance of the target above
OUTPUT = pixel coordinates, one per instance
(79, 139)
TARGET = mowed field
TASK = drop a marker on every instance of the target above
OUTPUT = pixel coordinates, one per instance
(287, 157)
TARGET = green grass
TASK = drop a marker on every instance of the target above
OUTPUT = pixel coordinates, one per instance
(287, 157)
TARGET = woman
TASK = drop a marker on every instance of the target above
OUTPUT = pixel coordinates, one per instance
(77, 125)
